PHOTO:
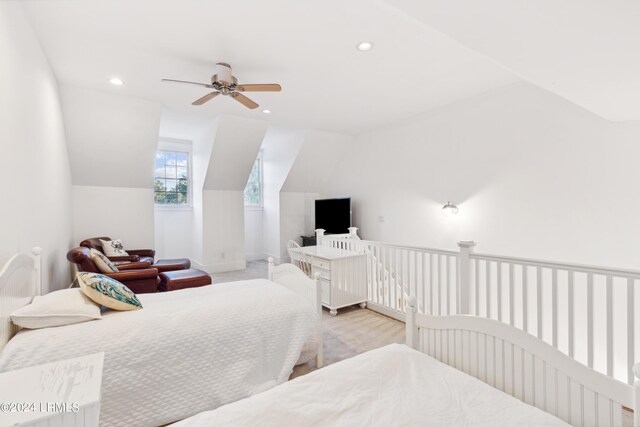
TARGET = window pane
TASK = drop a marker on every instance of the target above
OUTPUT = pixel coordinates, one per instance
(171, 171)
(159, 185)
(182, 186)
(182, 158)
(170, 157)
(159, 171)
(171, 184)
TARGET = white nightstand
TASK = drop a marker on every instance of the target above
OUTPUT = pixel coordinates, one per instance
(64, 393)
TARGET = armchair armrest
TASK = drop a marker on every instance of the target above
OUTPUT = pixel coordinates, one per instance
(130, 258)
(133, 265)
(140, 274)
(142, 252)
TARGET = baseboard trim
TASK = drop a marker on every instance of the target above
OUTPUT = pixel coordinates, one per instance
(386, 311)
(223, 267)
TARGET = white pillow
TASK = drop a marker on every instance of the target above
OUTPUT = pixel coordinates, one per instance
(113, 247)
(58, 308)
(103, 263)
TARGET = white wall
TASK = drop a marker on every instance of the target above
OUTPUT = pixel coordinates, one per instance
(533, 175)
(253, 231)
(297, 217)
(112, 143)
(223, 232)
(119, 213)
(279, 152)
(36, 200)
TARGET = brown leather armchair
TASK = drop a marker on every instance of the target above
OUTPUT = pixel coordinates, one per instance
(135, 255)
(139, 255)
(137, 276)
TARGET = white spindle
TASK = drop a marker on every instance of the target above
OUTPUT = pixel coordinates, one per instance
(554, 306)
(609, 303)
(487, 290)
(525, 298)
(630, 329)
(511, 296)
(499, 289)
(590, 320)
(570, 315)
(539, 301)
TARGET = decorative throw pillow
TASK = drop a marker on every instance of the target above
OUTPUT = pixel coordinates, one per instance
(58, 308)
(108, 292)
(103, 263)
(113, 247)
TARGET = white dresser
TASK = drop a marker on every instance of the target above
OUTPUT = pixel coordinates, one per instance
(64, 393)
(343, 276)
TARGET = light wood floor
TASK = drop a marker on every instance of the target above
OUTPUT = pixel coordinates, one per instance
(351, 332)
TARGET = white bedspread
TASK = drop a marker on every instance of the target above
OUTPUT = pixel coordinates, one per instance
(185, 352)
(390, 386)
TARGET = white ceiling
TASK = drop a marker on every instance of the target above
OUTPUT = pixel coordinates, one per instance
(306, 46)
(587, 51)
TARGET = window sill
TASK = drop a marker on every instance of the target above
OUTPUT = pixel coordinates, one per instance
(161, 208)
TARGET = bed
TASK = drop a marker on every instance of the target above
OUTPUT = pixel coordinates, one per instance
(185, 352)
(454, 371)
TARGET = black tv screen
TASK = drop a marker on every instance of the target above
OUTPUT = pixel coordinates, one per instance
(334, 215)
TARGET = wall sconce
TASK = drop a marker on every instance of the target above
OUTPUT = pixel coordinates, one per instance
(450, 209)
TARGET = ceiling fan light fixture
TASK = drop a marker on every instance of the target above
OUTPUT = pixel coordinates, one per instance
(116, 81)
(364, 46)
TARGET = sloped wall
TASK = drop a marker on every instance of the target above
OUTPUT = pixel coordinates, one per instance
(36, 200)
(112, 142)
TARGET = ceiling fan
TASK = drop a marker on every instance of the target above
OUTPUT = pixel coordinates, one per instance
(226, 84)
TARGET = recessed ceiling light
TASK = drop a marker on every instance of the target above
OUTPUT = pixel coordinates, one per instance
(364, 46)
(116, 81)
(266, 111)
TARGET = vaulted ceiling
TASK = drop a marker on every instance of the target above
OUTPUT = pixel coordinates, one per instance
(587, 51)
(309, 47)
(427, 53)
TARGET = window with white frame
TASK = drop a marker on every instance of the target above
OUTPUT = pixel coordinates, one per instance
(253, 190)
(171, 178)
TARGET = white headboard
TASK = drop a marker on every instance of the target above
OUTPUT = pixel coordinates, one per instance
(294, 279)
(20, 281)
(523, 366)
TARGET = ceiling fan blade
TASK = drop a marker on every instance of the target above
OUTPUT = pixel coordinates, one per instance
(259, 88)
(244, 100)
(189, 83)
(205, 98)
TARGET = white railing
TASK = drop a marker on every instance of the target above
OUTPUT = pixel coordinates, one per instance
(394, 272)
(584, 311)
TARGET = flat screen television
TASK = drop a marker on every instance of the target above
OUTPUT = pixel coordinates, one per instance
(334, 215)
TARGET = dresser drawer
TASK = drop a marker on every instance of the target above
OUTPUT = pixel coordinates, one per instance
(325, 292)
(324, 274)
(317, 262)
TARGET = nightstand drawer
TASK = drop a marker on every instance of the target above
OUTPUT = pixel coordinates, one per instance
(316, 262)
(325, 291)
(324, 274)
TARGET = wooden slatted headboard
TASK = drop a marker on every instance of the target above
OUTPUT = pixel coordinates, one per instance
(20, 281)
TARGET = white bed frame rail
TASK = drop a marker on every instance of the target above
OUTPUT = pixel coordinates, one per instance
(20, 281)
(294, 279)
(523, 366)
